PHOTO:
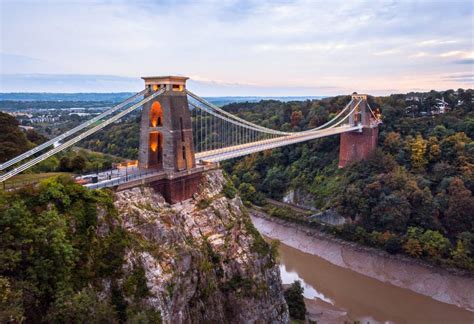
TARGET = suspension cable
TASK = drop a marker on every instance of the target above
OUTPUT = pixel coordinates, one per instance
(41, 147)
(372, 112)
(214, 107)
(76, 139)
(255, 126)
(347, 116)
(209, 111)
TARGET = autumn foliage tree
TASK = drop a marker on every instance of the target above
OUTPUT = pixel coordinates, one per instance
(418, 153)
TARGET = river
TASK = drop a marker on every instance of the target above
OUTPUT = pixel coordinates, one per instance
(354, 296)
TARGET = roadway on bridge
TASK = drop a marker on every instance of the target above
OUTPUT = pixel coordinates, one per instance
(254, 147)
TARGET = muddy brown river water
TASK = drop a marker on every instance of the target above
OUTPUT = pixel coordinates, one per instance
(362, 297)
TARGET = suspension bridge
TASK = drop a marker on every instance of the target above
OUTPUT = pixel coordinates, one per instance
(181, 134)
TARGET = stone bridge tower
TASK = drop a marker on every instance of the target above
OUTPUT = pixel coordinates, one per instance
(166, 140)
(166, 137)
(358, 145)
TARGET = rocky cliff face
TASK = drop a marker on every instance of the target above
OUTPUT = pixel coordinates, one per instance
(300, 197)
(202, 259)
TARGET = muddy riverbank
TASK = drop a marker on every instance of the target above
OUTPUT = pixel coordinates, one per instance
(435, 283)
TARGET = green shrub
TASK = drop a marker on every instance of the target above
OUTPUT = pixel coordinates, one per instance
(393, 245)
(203, 203)
(229, 190)
(295, 300)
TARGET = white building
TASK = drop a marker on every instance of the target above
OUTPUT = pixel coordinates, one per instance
(440, 108)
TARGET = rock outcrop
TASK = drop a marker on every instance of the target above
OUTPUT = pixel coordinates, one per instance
(300, 198)
(203, 259)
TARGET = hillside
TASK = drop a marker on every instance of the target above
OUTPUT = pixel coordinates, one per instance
(413, 196)
(13, 140)
(68, 254)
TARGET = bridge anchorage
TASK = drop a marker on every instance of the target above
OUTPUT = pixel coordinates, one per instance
(182, 135)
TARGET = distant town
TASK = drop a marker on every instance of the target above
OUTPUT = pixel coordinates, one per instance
(49, 114)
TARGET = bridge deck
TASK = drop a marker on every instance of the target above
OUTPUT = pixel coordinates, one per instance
(136, 176)
(254, 147)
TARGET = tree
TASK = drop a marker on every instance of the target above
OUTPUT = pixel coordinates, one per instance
(418, 153)
(11, 308)
(296, 117)
(392, 142)
(229, 189)
(391, 212)
(459, 216)
(295, 300)
(78, 163)
(439, 131)
(393, 244)
(65, 164)
(275, 182)
(434, 150)
(424, 209)
(462, 256)
(44, 257)
(434, 244)
(13, 141)
(34, 137)
(249, 194)
(51, 164)
(413, 248)
(452, 147)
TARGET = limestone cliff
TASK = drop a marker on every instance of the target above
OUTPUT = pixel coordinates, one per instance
(203, 260)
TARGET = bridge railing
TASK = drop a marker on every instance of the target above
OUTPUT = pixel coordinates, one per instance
(139, 174)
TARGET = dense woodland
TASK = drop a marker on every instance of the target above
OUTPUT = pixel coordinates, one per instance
(60, 249)
(118, 139)
(14, 141)
(413, 196)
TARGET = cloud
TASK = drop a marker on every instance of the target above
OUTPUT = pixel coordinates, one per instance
(14, 63)
(285, 44)
(304, 47)
(420, 54)
(465, 61)
(68, 83)
(467, 77)
(387, 52)
(437, 42)
(73, 83)
(451, 54)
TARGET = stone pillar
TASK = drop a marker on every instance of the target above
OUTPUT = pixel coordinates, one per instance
(166, 137)
(358, 145)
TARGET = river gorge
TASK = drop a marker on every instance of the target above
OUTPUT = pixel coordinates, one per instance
(344, 282)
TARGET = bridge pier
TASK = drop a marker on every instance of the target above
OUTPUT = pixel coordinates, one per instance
(179, 188)
(358, 145)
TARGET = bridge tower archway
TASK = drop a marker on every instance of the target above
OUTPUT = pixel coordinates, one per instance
(156, 115)
(155, 149)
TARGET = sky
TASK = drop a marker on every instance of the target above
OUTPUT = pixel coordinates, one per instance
(238, 48)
